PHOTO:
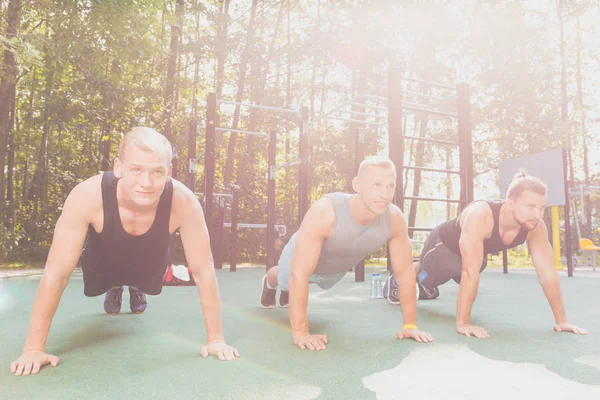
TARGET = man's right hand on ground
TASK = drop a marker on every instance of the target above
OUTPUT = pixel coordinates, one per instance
(311, 342)
(30, 362)
(469, 330)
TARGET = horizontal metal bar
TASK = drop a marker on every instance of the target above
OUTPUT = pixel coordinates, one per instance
(241, 131)
(215, 194)
(414, 228)
(362, 113)
(426, 110)
(440, 85)
(287, 164)
(431, 169)
(369, 106)
(428, 96)
(279, 109)
(250, 226)
(371, 97)
(430, 199)
(356, 121)
(431, 140)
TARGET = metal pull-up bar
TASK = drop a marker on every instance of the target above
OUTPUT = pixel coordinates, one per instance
(301, 115)
(261, 107)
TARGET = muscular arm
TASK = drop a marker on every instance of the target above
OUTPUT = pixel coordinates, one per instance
(541, 254)
(67, 243)
(69, 235)
(316, 226)
(196, 245)
(401, 257)
(477, 224)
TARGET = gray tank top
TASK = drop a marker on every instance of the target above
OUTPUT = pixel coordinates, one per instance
(350, 242)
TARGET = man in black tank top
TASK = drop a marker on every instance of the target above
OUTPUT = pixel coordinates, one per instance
(127, 217)
(458, 250)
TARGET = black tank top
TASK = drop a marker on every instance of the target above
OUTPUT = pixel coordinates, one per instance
(113, 257)
(450, 233)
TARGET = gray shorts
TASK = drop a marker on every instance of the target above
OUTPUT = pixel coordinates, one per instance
(285, 267)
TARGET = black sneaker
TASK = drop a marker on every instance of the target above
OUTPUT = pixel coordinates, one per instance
(267, 297)
(390, 290)
(112, 300)
(284, 299)
(137, 301)
(427, 294)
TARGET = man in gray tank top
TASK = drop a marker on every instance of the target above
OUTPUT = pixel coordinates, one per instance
(337, 232)
(457, 250)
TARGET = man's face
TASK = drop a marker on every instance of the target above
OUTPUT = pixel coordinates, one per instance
(528, 209)
(143, 175)
(376, 187)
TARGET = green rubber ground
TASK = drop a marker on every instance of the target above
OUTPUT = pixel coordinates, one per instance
(156, 355)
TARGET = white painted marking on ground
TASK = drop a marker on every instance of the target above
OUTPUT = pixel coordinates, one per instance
(455, 372)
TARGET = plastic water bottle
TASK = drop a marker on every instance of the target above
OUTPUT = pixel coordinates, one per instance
(379, 287)
(374, 289)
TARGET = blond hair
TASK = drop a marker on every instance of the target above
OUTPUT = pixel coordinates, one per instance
(146, 139)
(522, 182)
(376, 161)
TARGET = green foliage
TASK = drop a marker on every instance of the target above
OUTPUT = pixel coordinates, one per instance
(89, 71)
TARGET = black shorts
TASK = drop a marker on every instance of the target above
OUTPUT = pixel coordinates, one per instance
(438, 264)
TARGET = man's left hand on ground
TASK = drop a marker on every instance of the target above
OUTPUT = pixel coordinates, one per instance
(566, 327)
(417, 335)
(220, 349)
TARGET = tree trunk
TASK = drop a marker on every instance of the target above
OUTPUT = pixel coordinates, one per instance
(106, 142)
(564, 100)
(419, 157)
(9, 75)
(229, 163)
(169, 99)
(221, 45)
(10, 197)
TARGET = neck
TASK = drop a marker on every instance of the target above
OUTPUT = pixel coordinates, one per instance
(360, 213)
(506, 220)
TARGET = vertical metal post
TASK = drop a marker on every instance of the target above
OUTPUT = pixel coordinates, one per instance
(218, 235)
(193, 134)
(303, 169)
(567, 208)
(465, 142)
(233, 231)
(209, 162)
(395, 136)
(359, 155)
(505, 261)
(271, 199)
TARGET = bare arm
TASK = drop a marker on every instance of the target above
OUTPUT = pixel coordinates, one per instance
(196, 244)
(477, 224)
(401, 256)
(543, 260)
(69, 235)
(316, 225)
(541, 254)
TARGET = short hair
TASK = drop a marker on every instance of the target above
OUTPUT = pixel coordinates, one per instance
(147, 139)
(376, 161)
(522, 182)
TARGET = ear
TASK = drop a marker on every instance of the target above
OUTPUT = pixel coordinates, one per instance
(170, 173)
(356, 184)
(510, 204)
(117, 168)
